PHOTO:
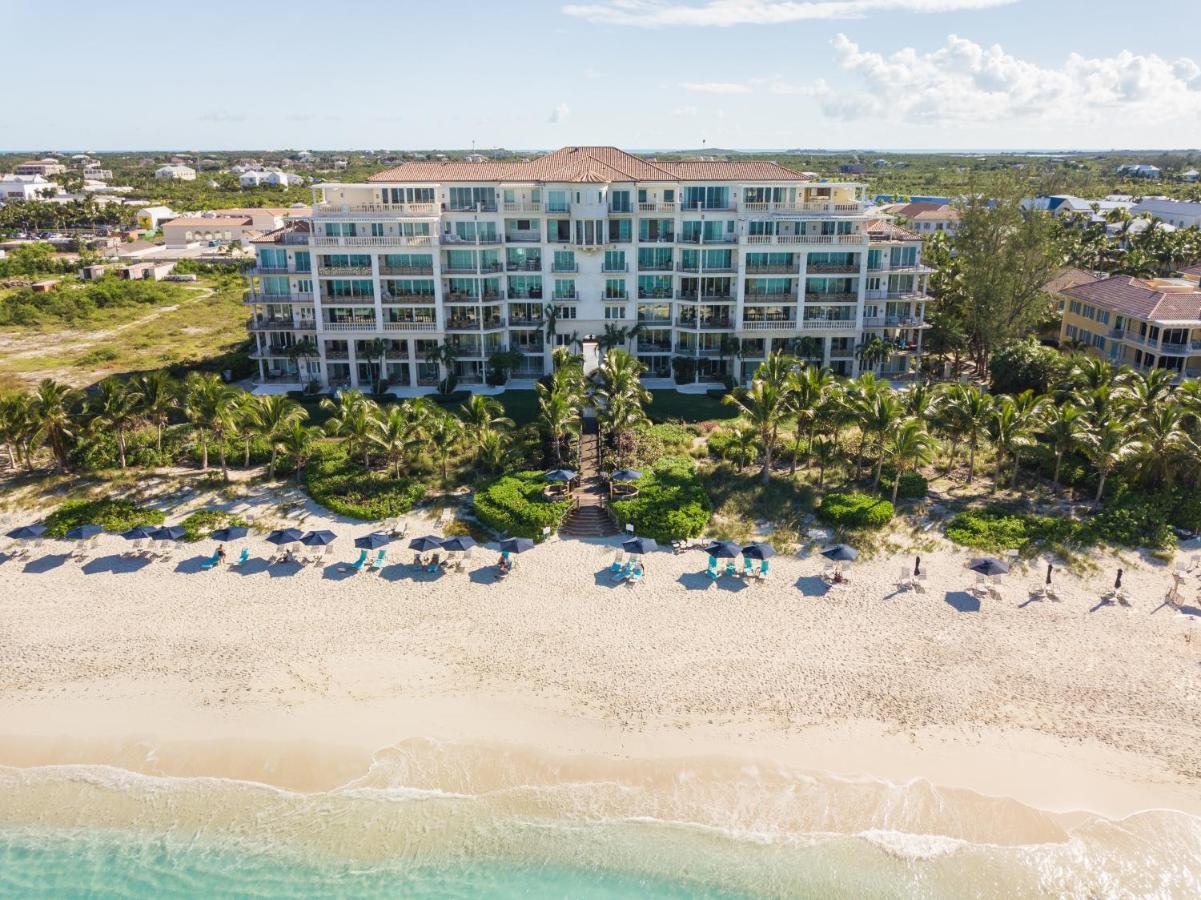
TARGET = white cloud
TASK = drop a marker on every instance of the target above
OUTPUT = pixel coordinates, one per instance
(724, 13)
(967, 83)
(559, 113)
(715, 87)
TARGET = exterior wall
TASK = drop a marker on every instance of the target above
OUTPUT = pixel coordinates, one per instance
(1128, 341)
(826, 289)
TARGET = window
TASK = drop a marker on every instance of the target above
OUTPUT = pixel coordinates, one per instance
(619, 231)
(1074, 307)
(377, 229)
(619, 201)
(556, 201)
(615, 289)
(1098, 342)
(615, 312)
(304, 263)
(565, 289)
(1071, 331)
(564, 261)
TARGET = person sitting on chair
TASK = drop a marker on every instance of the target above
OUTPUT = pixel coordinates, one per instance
(221, 553)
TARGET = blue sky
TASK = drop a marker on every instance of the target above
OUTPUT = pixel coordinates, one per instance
(525, 74)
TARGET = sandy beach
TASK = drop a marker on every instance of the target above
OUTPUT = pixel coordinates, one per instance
(297, 677)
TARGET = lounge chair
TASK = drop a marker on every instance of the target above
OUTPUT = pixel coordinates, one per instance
(377, 564)
(904, 580)
(712, 570)
(212, 562)
(435, 563)
(243, 557)
(615, 565)
(731, 569)
(828, 573)
(993, 593)
(635, 575)
(1050, 593)
(763, 569)
(357, 565)
(748, 567)
(622, 573)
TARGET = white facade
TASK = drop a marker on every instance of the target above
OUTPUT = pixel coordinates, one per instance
(255, 178)
(24, 187)
(1179, 213)
(176, 173)
(778, 262)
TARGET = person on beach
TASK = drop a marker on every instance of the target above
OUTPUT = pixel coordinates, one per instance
(221, 553)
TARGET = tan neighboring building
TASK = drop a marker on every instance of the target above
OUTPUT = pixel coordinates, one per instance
(44, 167)
(1152, 323)
(203, 229)
(930, 221)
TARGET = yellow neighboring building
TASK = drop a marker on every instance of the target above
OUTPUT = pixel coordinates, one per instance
(1144, 323)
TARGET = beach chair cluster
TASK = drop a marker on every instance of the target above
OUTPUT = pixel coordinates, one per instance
(907, 581)
(752, 570)
(364, 562)
(833, 574)
(628, 570)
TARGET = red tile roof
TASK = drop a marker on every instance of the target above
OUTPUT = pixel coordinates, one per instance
(276, 236)
(588, 164)
(1067, 277)
(1192, 271)
(1154, 299)
(883, 230)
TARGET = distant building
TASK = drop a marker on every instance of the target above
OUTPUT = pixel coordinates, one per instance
(43, 167)
(254, 178)
(204, 229)
(1140, 170)
(1190, 175)
(147, 271)
(852, 169)
(1180, 213)
(175, 173)
(24, 187)
(1067, 204)
(152, 217)
(94, 172)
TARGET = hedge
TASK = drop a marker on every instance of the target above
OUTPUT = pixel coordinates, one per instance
(852, 509)
(111, 515)
(204, 522)
(913, 485)
(671, 504)
(514, 505)
(994, 528)
(344, 487)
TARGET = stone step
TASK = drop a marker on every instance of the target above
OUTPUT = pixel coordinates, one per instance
(589, 521)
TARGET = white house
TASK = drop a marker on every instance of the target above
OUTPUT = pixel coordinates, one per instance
(152, 217)
(1139, 170)
(255, 178)
(1181, 213)
(176, 173)
(24, 187)
(1190, 175)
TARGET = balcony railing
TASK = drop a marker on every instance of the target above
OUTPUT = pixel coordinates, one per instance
(390, 297)
(253, 297)
(691, 297)
(387, 240)
(525, 321)
(470, 207)
(523, 238)
(789, 269)
(831, 298)
(658, 206)
(523, 206)
(615, 297)
(410, 326)
(769, 324)
(655, 265)
(624, 267)
(832, 269)
(358, 325)
(558, 297)
(486, 240)
(330, 300)
(406, 270)
(529, 265)
(704, 323)
(651, 347)
(893, 322)
(565, 268)
(267, 323)
(665, 294)
(343, 271)
(524, 295)
(807, 238)
(828, 325)
(374, 210)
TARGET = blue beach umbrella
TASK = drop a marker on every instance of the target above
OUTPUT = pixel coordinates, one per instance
(458, 544)
(372, 541)
(516, 545)
(318, 538)
(424, 543)
(231, 533)
(987, 565)
(625, 475)
(282, 536)
(559, 475)
(841, 553)
(83, 532)
(639, 545)
(723, 550)
(168, 533)
(758, 550)
(25, 532)
(138, 533)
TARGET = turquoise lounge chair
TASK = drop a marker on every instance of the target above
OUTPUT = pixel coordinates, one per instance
(357, 565)
(731, 569)
(712, 570)
(763, 569)
(243, 557)
(622, 573)
(635, 575)
(378, 562)
(748, 567)
(211, 562)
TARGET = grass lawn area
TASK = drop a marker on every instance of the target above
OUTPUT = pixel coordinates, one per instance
(687, 407)
(520, 406)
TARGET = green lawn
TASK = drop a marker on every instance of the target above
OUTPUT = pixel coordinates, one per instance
(520, 406)
(670, 404)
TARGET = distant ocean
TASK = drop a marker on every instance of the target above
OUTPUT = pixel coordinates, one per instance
(509, 824)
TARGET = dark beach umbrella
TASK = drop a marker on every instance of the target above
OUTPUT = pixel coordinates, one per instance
(25, 532)
(83, 532)
(639, 545)
(168, 533)
(138, 533)
(318, 538)
(1050, 569)
(559, 475)
(988, 566)
(458, 544)
(372, 541)
(758, 550)
(723, 549)
(625, 475)
(516, 545)
(841, 553)
(230, 533)
(428, 542)
(283, 536)
(917, 567)
(1118, 581)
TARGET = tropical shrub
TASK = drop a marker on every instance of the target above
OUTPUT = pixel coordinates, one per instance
(514, 505)
(110, 514)
(1025, 365)
(994, 528)
(913, 485)
(99, 450)
(204, 522)
(671, 502)
(851, 509)
(343, 486)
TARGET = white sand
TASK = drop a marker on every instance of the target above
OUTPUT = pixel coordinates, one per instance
(1061, 705)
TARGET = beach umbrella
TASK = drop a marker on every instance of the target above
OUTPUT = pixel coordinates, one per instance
(372, 541)
(27, 531)
(917, 567)
(428, 542)
(759, 550)
(283, 536)
(516, 545)
(987, 565)
(723, 549)
(168, 533)
(841, 553)
(83, 532)
(625, 475)
(559, 475)
(230, 533)
(1050, 569)
(1118, 582)
(318, 538)
(458, 544)
(639, 545)
(138, 533)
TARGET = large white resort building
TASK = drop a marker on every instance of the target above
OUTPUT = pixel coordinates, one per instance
(580, 247)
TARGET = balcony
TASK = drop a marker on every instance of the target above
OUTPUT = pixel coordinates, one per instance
(329, 300)
(526, 321)
(662, 206)
(529, 294)
(253, 297)
(857, 239)
(789, 269)
(410, 326)
(686, 350)
(818, 207)
(529, 265)
(654, 347)
(769, 325)
(470, 207)
(273, 323)
(832, 269)
(654, 320)
(565, 268)
(711, 239)
(486, 240)
(406, 270)
(355, 325)
(523, 206)
(344, 271)
(564, 297)
(707, 298)
(460, 270)
(272, 270)
(705, 324)
(271, 352)
(625, 267)
(664, 294)
(655, 265)
(474, 324)
(828, 325)
(387, 240)
(523, 238)
(614, 298)
(390, 297)
(831, 298)
(698, 206)
(894, 322)
(374, 210)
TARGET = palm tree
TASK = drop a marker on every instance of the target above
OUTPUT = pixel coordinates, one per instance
(296, 441)
(619, 398)
(1107, 445)
(908, 446)
(807, 388)
(207, 405)
(270, 416)
(1145, 392)
(444, 433)
(874, 352)
(858, 395)
(1062, 426)
(158, 395)
(879, 418)
(376, 350)
(17, 426)
(764, 405)
(114, 406)
(966, 412)
(1011, 429)
(482, 415)
(396, 434)
(1163, 440)
(825, 453)
(351, 419)
(51, 411)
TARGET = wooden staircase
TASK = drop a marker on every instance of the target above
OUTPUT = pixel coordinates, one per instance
(590, 517)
